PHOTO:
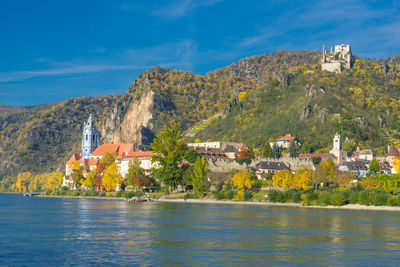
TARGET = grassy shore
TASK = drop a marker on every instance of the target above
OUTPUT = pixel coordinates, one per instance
(232, 202)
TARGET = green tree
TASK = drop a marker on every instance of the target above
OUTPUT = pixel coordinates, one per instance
(276, 152)
(169, 150)
(374, 166)
(267, 150)
(294, 149)
(135, 172)
(199, 176)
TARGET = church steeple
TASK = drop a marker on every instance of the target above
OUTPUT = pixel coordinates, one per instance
(89, 138)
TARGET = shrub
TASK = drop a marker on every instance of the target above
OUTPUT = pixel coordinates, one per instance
(325, 198)
(102, 194)
(338, 199)
(354, 197)
(312, 198)
(363, 198)
(129, 194)
(190, 196)
(120, 194)
(379, 199)
(247, 195)
(93, 193)
(275, 196)
(218, 195)
(392, 201)
(229, 194)
(292, 196)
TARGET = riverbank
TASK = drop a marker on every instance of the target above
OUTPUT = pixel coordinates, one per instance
(231, 202)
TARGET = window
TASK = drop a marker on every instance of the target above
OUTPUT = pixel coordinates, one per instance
(86, 137)
(93, 138)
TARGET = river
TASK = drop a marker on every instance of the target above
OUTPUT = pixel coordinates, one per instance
(54, 231)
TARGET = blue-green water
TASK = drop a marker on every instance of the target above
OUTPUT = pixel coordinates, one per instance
(42, 232)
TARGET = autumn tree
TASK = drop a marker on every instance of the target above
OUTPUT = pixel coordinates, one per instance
(90, 178)
(111, 177)
(136, 175)
(169, 150)
(76, 170)
(243, 180)
(23, 181)
(301, 180)
(107, 160)
(199, 176)
(282, 178)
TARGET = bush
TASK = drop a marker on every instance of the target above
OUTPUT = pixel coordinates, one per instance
(190, 196)
(312, 198)
(338, 199)
(275, 196)
(325, 198)
(120, 194)
(363, 198)
(379, 199)
(92, 193)
(102, 194)
(291, 195)
(219, 195)
(354, 197)
(247, 195)
(229, 194)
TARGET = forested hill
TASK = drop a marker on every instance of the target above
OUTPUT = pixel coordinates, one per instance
(256, 98)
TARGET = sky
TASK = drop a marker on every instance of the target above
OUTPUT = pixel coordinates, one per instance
(54, 50)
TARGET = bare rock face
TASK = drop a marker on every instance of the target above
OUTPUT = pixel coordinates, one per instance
(135, 127)
(305, 112)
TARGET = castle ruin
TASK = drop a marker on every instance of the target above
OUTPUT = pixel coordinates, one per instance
(338, 59)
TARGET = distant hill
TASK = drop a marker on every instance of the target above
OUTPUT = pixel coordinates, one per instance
(256, 98)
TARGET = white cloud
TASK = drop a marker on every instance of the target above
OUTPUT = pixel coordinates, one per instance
(179, 8)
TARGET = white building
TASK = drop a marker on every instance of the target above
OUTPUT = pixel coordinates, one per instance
(284, 141)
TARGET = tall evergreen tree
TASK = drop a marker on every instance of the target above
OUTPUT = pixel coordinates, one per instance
(276, 152)
(267, 150)
(294, 149)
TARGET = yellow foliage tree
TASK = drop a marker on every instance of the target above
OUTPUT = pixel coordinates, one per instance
(242, 180)
(23, 181)
(242, 96)
(370, 183)
(396, 164)
(197, 140)
(90, 177)
(282, 179)
(111, 177)
(301, 180)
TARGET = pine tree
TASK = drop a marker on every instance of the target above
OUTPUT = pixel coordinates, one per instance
(276, 152)
(267, 150)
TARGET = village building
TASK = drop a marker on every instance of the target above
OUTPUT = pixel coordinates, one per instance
(391, 154)
(143, 156)
(229, 149)
(366, 154)
(359, 168)
(284, 141)
(266, 167)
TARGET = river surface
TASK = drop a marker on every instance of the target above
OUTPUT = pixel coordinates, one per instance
(54, 231)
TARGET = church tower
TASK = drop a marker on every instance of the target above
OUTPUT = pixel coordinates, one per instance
(90, 138)
(337, 142)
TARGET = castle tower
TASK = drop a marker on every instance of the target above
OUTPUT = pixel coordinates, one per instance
(89, 138)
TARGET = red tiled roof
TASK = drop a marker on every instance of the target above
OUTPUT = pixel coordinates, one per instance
(314, 155)
(393, 151)
(120, 149)
(74, 157)
(287, 138)
(91, 162)
(139, 154)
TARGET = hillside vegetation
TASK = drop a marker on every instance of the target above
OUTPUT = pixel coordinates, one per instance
(256, 98)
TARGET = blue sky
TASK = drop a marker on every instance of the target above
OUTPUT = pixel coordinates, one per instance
(53, 50)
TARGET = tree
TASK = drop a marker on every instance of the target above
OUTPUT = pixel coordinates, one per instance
(282, 178)
(112, 177)
(294, 149)
(396, 164)
(191, 156)
(243, 180)
(199, 176)
(23, 181)
(276, 152)
(89, 181)
(107, 160)
(374, 166)
(136, 174)
(301, 180)
(267, 150)
(169, 150)
(76, 170)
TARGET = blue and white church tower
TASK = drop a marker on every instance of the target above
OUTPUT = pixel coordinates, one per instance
(90, 138)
